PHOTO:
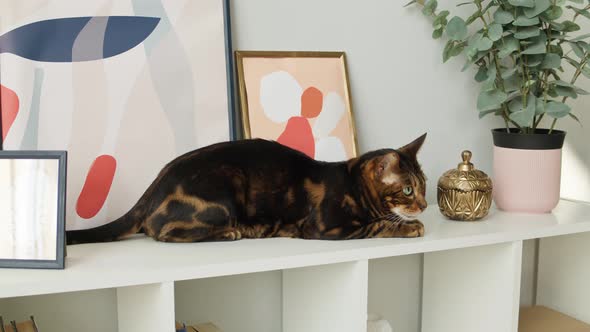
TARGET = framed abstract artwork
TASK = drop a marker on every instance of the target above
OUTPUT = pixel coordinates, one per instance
(124, 86)
(32, 209)
(299, 99)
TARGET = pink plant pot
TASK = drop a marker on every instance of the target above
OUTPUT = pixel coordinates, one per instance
(527, 171)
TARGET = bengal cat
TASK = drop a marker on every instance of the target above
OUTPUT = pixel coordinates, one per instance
(259, 189)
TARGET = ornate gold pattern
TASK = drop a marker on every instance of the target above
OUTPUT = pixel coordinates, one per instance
(464, 193)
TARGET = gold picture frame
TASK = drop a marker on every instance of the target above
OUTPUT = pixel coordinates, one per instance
(242, 56)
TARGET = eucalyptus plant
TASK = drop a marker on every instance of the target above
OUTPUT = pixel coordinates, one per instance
(520, 48)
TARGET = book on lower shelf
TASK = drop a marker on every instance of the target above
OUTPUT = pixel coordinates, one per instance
(205, 327)
(13, 326)
(543, 319)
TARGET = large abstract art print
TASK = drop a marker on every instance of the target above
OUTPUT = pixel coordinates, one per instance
(124, 86)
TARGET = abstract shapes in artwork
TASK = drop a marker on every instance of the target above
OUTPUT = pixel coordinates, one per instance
(164, 47)
(9, 109)
(280, 96)
(96, 187)
(298, 136)
(53, 40)
(332, 111)
(30, 139)
(311, 102)
(109, 108)
(329, 149)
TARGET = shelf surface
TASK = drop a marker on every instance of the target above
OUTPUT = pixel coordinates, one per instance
(141, 260)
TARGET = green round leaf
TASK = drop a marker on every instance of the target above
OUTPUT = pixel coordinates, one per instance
(557, 109)
(484, 113)
(569, 26)
(566, 92)
(536, 48)
(488, 100)
(527, 32)
(523, 21)
(503, 17)
(534, 60)
(523, 116)
(522, 3)
(456, 50)
(429, 7)
(507, 46)
(577, 50)
(484, 44)
(436, 34)
(539, 7)
(447, 50)
(441, 18)
(513, 83)
(551, 60)
(495, 31)
(553, 13)
(556, 49)
(481, 74)
(456, 29)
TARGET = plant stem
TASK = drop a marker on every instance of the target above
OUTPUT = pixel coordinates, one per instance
(499, 79)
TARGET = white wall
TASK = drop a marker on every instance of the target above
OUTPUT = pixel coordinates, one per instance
(400, 89)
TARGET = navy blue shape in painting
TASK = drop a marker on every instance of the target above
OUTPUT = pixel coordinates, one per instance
(52, 40)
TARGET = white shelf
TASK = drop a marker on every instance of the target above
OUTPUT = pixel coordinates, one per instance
(141, 260)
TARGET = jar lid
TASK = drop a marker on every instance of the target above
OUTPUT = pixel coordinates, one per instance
(465, 177)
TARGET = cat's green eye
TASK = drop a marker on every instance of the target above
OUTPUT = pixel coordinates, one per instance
(408, 191)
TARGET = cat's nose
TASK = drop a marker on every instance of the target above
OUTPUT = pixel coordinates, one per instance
(422, 204)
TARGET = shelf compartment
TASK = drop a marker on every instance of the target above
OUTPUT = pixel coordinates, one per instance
(395, 290)
(326, 298)
(91, 311)
(564, 275)
(147, 308)
(473, 289)
(247, 302)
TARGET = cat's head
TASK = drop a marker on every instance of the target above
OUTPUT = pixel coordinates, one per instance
(394, 181)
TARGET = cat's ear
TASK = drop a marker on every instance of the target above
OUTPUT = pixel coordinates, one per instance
(413, 148)
(386, 164)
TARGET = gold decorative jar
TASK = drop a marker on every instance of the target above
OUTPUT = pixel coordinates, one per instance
(465, 193)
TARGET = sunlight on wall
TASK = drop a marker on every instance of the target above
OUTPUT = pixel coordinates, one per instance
(575, 175)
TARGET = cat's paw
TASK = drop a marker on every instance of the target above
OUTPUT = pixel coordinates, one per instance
(413, 228)
(232, 235)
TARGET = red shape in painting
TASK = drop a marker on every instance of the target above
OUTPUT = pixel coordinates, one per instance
(298, 135)
(311, 102)
(96, 187)
(8, 108)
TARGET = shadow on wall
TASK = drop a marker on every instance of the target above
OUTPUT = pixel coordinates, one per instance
(575, 173)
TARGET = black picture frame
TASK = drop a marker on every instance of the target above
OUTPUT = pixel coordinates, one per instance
(59, 262)
(229, 67)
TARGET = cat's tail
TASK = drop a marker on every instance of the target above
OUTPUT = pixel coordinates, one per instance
(123, 227)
